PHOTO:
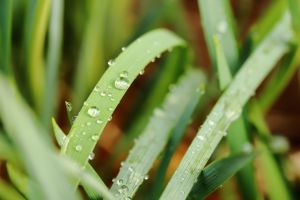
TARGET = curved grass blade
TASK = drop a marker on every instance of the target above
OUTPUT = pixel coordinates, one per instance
(176, 136)
(217, 173)
(294, 6)
(7, 192)
(98, 108)
(217, 19)
(275, 182)
(7, 151)
(228, 109)
(237, 132)
(91, 59)
(35, 32)
(36, 153)
(171, 68)
(5, 36)
(53, 61)
(155, 135)
(91, 192)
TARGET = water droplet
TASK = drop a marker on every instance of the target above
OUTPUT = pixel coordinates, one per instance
(222, 27)
(124, 74)
(112, 99)
(153, 60)
(142, 72)
(110, 118)
(83, 133)
(94, 137)
(122, 163)
(110, 109)
(200, 137)
(78, 148)
(109, 95)
(123, 48)
(103, 94)
(247, 148)
(233, 114)
(122, 83)
(127, 198)
(91, 156)
(211, 123)
(123, 189)
(120, 182)
(182, 192)
(85, 103)
(279, 144)
(97, 88)
(88, 123)
(158, 56)
(93, 111)
(99, 121)
(111, 62)
(146, 177)
(130, 169)
(113, 180)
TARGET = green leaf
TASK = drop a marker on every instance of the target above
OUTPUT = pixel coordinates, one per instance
(7, 192)
(36, 153)
(294, 6)
(216, 173)
(176, 136)
(5, 36)
(217, 19)
(7, 151)
(228, 109)
(98, 108)
(155, 136)
(53, 61)
(97, 181)
(35, 33)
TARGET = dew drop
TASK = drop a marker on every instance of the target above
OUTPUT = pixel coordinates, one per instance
(88, 123)
(103, 94)
(159, 112)
(124, 74)
(200, 137)
(142, 72)
(113, 180)
(97, 88)
(94, 137)
(111, 62)
(121, 83)
(85, 103)
(109, 119)
(93, 111)
(247, 148)
(146, 177)
(83, 133)
(120, 182)
(99, 121)
(123, 48)
(91, 156)
(109, 95)
(78, 148)
(110, 109)
(112, 99)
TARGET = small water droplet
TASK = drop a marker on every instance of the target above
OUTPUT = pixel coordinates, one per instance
(130, 169)
(78, 148)
(93, 111)
(109, 95)
(120, 182)
(94, 137)
(182, 192)
(99, 121)
(123, 48)
(83, 133)
(211, 123)
(111, 62)
(91, 156)
(247, 148)
(153, 60)
(68, 106)
(200, 137)
(110, 118)
(159, 112)
(142, 72)
(85, 103)
(122, 163)
(158, 56)
(123, 189)
(113, 180)
(110, 109)
(124, 74)
(103, 94)
(222, 27)
(97, 88)
(88, 123)
(146, 177)
(112, 99)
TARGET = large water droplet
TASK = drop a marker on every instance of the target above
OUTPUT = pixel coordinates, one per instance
(78, 148)
(122, 83)
(93, 111)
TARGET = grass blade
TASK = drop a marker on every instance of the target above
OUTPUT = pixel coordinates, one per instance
(5, 36)
(155, 136)
(101, 187)
(37, 155)
(294, 6)
(53, 61)
(217, 19)
(35, 32)
(98, 108)
(7, 151)
(217, 173)
(176, 137)
(228, 109)
(7, 192)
